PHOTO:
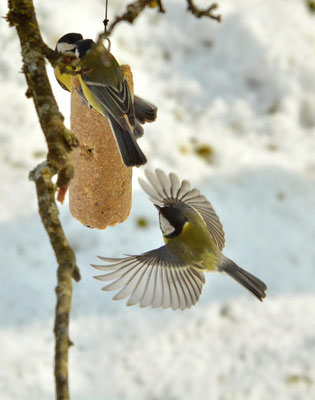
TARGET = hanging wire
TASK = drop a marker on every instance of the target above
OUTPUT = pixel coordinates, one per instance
(105, 22)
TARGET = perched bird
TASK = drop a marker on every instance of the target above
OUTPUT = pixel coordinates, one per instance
(66, 46)
(145, 111)
(173, 275)
(105, 88)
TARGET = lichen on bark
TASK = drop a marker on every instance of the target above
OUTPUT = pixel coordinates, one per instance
(60, 142)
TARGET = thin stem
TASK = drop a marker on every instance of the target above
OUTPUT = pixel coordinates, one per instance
(133, 11)
(207, 12)
(106, 20)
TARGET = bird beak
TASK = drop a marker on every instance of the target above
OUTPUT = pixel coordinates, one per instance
(157, 207)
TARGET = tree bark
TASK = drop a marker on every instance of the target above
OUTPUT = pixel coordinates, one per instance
(60, 141)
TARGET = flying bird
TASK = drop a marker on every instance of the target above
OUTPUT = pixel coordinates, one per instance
(173, 275)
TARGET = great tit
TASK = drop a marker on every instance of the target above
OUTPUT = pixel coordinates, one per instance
(173, 275)
(66, 46)
(105, 88)
(144, 110)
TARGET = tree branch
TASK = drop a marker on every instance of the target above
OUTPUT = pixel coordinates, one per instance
(207, 12)
(67, 270)
(133, 11)
(60, 141)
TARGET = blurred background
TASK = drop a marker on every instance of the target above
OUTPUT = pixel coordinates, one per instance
(237, 118)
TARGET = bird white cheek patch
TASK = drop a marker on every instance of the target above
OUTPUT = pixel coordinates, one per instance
(65, 47)
(165, 226)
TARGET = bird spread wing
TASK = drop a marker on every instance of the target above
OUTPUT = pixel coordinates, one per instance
(156, 278)
(116, 101)
(167, 190)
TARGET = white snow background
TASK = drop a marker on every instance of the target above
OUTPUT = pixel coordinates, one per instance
(245, 87)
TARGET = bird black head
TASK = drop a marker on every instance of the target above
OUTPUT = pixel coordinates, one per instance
(82, 46)
(172, 221)
(66, 44)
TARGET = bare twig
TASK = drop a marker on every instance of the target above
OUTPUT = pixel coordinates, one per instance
(60, 141)
(134, 10)
(207, 12)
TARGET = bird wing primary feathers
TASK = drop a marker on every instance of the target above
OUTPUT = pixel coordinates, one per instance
(169, 191)
(157, 278)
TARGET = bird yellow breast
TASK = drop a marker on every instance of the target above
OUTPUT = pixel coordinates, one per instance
(64, 79)
(91, 99)
(194, 245)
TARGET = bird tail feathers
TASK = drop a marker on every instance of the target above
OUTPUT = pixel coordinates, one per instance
(138, 130)
(130, 151)
(144, 110)
(249, 281)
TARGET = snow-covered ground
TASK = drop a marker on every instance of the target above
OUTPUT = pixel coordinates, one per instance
(246, 89)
